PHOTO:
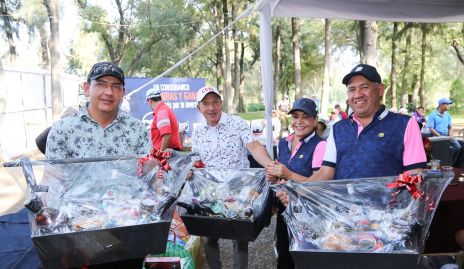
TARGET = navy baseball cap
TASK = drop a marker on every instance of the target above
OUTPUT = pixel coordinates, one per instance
(444, 101)
(365, 70)
(306, 105)
(105, 69)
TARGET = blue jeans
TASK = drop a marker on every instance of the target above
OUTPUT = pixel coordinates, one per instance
(456, 150)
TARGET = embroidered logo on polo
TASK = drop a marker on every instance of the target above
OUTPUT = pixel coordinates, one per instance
(380, 135)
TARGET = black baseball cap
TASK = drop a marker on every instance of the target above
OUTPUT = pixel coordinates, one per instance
(105, 69)
(365, 70)
(306, 105)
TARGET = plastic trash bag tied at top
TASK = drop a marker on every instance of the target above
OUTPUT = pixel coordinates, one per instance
(92, 194)
(226, 193)
(362, 215)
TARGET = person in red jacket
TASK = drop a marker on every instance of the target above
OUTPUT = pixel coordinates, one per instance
(340, 113)
(164, 130)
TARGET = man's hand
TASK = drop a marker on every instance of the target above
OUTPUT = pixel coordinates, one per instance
(283, 197)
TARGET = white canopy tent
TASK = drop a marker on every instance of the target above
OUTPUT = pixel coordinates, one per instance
(433, 11)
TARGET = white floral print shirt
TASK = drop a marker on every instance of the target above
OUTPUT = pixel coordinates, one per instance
(223, 145)
(79, 136)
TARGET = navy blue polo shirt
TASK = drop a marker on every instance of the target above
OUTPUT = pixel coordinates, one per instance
(301, 162)
(379, 149)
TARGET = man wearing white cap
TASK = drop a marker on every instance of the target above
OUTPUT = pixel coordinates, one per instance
(439, 122)
(164, 130)
(222, 141)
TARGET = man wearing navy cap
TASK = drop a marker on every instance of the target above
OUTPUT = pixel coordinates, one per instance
(372, 142)
(99, 128)
(439, 122)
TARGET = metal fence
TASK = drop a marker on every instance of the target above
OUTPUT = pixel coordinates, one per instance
(28, 109)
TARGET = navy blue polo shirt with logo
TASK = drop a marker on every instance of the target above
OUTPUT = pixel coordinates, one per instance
(389, 145)
(302, 160)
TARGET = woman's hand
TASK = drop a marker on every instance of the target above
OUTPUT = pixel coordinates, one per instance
(278, 170)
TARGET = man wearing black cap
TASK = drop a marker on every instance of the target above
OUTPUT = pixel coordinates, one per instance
(372, 142)
(99, 128)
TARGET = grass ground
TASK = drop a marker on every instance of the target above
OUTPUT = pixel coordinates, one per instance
(252, 115)
(458, 118)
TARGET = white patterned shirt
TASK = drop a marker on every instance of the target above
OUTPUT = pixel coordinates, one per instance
(223, 145)
(79, 136)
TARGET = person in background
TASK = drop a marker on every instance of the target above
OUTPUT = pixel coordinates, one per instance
(41, 139)
(419, 116)
(339, 112)
(222, 140)
(372, 142)
(403, 111)
(439, 123)
(164, 129)
(317, 101)
(321, 129)
(283, 107)
(276, 126)
(333, 118)
(299, 154)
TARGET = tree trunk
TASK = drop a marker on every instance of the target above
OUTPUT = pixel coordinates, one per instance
(219, 47)
(3, 91)
(394, 63)
(455, 46)
(44, 47)
(277, 63)
(415, 90)
(228, 97)
(6, 17)
(241, 103)
(404, 82)
(370, 43)
(236, 61)
(360, 38)
(422, 71)
(54, 43)
(296, 56)
(327, 58)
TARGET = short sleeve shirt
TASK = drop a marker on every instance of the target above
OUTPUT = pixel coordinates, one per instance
(164, 122)
(79, 136)
(223, 145)
(439, 122)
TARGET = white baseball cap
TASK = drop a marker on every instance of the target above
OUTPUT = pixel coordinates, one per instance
(152, 93)
(201, 93)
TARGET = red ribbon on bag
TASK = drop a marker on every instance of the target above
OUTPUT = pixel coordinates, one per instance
(161, 156)
(409, 182)
(199, 164)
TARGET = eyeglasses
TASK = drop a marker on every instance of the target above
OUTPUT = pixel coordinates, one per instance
(101, 85)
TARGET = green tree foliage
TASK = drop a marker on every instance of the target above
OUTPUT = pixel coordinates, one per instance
(146, 37)
(457, 96)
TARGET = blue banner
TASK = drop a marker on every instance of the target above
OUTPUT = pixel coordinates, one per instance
(178, 93)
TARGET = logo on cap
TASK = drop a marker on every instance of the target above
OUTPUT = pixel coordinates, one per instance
(359, 68)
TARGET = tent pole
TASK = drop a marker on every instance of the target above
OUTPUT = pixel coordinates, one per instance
(265, 38)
